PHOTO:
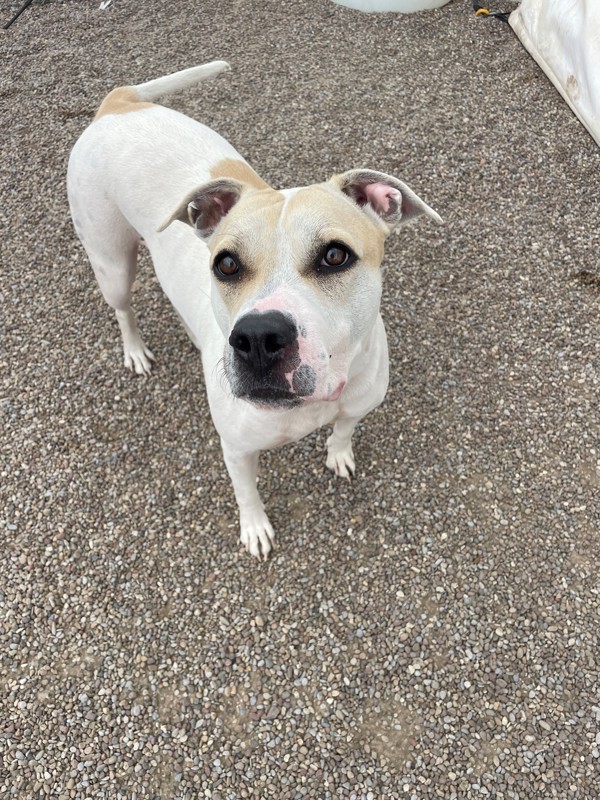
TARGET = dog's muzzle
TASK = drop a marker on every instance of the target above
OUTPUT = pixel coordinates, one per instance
(266, 367)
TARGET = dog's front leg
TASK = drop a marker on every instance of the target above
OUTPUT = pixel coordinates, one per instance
(340, 458)
(256, 532)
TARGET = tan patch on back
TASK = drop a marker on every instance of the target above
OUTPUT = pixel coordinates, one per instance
(121, 101)
(238, 170)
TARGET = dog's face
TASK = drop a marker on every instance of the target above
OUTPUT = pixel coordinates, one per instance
(296, 278)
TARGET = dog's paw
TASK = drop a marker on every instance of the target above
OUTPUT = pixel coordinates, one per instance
(340, 461)
(257, 535)
(138, 358)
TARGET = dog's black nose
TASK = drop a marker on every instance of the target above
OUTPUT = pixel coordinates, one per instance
(260, 339)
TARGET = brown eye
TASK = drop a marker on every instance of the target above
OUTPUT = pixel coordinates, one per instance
(336, 256)
(226, 266)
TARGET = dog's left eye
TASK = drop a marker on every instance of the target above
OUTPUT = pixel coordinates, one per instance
(336, 256)
(226, 266)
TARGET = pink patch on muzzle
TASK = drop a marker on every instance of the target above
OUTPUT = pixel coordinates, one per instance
(274, 302)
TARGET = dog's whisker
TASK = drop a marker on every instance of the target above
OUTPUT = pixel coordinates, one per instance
(221, 374)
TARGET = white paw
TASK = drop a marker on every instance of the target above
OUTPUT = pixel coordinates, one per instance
(256, 533)
(138, 358)
(340, 461)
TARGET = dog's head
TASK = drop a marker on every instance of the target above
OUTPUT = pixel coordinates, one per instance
(296, 277)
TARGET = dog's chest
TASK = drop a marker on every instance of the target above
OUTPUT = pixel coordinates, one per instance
(277, 429)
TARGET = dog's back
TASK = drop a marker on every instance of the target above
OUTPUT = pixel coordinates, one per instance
(126, 173)
(136, 151)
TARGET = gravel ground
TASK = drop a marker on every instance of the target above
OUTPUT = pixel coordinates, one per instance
(428, 631)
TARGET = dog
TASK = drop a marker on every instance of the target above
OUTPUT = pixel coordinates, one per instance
(279, 289)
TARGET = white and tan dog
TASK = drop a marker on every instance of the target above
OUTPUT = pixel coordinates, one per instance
(280, 290)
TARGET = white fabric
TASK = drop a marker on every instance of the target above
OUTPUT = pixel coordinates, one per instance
(563, 36)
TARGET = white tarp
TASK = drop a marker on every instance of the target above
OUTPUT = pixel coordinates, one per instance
(564, 38)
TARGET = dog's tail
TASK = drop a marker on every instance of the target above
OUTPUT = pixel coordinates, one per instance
(152, 90)
(132, 98)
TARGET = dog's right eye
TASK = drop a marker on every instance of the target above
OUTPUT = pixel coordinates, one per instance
(226, 266)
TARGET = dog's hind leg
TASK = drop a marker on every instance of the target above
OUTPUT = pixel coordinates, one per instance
(112, 247)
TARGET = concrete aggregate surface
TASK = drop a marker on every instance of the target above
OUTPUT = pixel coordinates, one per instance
(429, 630)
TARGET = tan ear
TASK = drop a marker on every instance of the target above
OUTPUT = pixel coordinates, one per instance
(205, 207)
(390, 199)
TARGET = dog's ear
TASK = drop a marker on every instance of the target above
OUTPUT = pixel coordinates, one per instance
(205, 207)
(383, 195)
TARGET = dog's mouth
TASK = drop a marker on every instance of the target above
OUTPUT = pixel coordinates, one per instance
(283, 390)
(270, 398)
(284, 384)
